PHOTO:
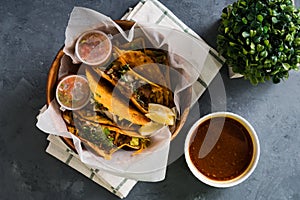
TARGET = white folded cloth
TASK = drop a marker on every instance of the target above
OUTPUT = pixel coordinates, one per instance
(150, 11)
(115, 184)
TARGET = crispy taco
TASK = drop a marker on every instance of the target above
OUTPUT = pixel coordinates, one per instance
(161, 57)
(103, 139)
(96, 113)
(104, 95)
(141, 63)
(132, 73)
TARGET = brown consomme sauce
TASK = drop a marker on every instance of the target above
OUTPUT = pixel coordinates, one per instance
(226, 152)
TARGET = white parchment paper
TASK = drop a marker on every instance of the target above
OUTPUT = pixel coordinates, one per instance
(151, 164)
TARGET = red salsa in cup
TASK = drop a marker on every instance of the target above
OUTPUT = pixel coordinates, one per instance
(73, 92)
(93, 47)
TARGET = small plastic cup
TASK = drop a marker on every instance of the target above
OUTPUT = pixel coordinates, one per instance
(72, 92)
(93, 48)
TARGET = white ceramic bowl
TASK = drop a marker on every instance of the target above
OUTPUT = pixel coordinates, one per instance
(245, 174)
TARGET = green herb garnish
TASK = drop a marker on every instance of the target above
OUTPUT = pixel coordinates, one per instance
(106, 131)
(123, 69)
(134, 141)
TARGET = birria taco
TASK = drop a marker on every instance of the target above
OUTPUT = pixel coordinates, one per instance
(138, 78)
(101, 136)
(104, 94)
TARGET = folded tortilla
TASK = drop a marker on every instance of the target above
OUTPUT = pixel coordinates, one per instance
(102, 139)
(104, 94)
(105, 140)
(130, 74)
(100, 116)
(142, 64)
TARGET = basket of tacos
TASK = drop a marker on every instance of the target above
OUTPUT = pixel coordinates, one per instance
(130, 98)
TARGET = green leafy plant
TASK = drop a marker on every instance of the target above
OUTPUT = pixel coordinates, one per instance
(260, 39)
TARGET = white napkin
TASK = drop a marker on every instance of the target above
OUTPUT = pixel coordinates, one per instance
(150, 11)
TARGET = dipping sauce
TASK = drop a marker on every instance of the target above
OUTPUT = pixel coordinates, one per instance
(73, 92)
(93, 47)
(222, 148)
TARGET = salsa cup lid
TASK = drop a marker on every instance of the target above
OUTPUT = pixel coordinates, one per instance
(93, 47)
(72, 92)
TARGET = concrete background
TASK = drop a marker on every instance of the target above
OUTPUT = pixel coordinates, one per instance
(31, 32)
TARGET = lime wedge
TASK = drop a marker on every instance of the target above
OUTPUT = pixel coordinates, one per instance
(158, 108)
(161, 114)
(150, 128)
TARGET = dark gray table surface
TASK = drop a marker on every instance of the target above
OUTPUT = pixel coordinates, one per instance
(31, 33)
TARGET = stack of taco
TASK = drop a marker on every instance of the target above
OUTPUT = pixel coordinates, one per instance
(100, 135)
(120, 100)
